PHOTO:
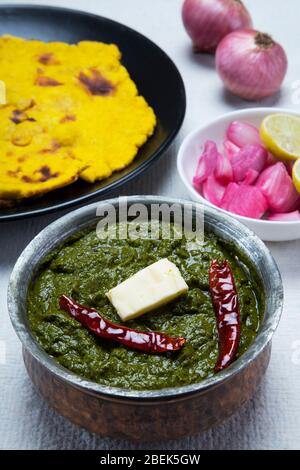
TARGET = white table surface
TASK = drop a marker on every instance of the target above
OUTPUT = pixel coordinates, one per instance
(272, 419)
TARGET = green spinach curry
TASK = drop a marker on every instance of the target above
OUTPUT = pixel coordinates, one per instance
(86, 268)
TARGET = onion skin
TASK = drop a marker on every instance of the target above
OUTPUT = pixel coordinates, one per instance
(207, 22)
(251, 64)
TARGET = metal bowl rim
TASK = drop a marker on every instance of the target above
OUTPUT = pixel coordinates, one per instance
(30, 344)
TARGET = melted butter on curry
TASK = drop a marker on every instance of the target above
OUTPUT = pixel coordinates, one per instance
(71, 111)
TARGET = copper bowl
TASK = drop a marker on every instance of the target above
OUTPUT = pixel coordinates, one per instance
(157, 414)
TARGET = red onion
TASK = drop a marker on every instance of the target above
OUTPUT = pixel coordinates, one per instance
(251, 64)
(207, 21)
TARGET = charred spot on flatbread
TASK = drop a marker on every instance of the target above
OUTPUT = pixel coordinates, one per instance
(46, 174)
(68, 118)
(14, 173)
(52, 149)
(18, 116)
(95, 83)
(48, 58)
(43, 80)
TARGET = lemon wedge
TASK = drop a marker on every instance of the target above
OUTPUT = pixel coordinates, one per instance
(281, 135)
(296, 175)
(2, 92)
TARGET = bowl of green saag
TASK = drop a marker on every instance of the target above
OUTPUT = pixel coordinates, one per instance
(186, 364)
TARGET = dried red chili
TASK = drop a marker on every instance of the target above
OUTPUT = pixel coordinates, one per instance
(149, 342)
(226, 306)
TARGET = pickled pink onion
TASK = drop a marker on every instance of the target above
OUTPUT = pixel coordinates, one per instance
(242, 133)
(223, 170)
(278, 188)
(244, 200)
(206, 164)
(213, 190)
(250, 157)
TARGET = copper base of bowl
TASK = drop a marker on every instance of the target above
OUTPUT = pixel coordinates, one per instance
(148, 420)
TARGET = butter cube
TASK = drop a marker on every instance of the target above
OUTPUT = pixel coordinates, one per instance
(148, 289)
(2, 92)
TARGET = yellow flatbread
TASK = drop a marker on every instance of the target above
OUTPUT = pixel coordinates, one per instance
(71, 112)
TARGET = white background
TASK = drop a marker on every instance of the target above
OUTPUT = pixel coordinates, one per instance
(272, 419)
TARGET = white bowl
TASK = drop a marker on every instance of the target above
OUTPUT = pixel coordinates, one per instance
(192, 148)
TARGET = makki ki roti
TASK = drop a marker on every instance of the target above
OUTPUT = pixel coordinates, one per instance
(71, 112)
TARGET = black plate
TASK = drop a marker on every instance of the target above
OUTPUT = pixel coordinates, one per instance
(156, 76)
